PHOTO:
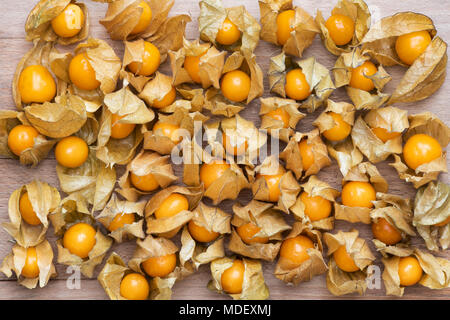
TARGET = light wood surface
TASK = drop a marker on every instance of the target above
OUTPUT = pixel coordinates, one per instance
(13, 175)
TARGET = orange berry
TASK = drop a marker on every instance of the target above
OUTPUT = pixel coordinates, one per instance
(421, 149)
(409, 271)
(317, 207)
(284, 25)
(410, 46)
(386, 232)
(341, 29)
(247, 233)
(160, 266)
(358, 194)
(20, 138)
(233, 278)
(36, 84)
(296, 86)
(235, 85)
(228, 33)
(344, 261)
(201, 234)
(359, 75)
(294, 250)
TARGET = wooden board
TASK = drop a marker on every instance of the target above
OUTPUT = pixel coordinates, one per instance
(13, 47)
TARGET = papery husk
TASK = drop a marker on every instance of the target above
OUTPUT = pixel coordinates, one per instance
(38, 24)
(129, 231)
(60, 119)
(103, 60)
(212, 219)
(429, 124)
(210, 67)
(186, 121)
(340, 282)
(123, 15)
(425, 76)
(293, 159)
(197, 254)
(160, 288)
(31, 156)
(253, 285)
(310, 268)
(317, 76)
(134, 51)
(315, 187)
(111, 276)
(217, 104)
(379, 42)
(304, 27)
(245, 62)
(239, 131)
(389, 118)
(194, 96)
(364, 172)
(44, 199)
(346, 154)
(89, 131)
(170, 35)
(15, 261)
(288, 185)
(93, 179)
(228, 186)
(362, 100)
(325, 122)
(276, 127)
(212, 15)
(156, 89)
(436, 271)
(271, 223)
(123, 103)
(38, 55)
(72, 210)
(431, 207)
(168, 227)
(144, 163)
(358, 11)
(397, 211)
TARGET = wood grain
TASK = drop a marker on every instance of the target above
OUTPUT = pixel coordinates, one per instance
(13, 47)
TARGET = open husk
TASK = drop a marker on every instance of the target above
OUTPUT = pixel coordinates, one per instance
(117, 207)
(15, 261)
(342, 72)
(157, 89)
(425, 76)
(228, 186)
(379, 42)
(31, 156)
(346, 154)
(325, 121)
(166, 33)
(209, 68)
(288, 185)
(160, 288)
(317, 76)
(304, 28)
(358, 11)
(271, 223)
(38, 55)
(145, 163)
(436, 271)
(72, 210)
(185, 120)
(238, 133)
(389, 118)
(429, 124)
(38, 24)
(293, 159)
(397, 211)
(431, 211)
(196, 254)
(253, 285)
(245, 62)
(93, 179)
(340, 282)
(102, 58)
(168, 227)
(275, 127)
(314, 266)
(364, 172)
(315, 188)
(212, 219)
(44, 199)
(134, 111)
(212, 15)
(60, 119)
(111, 276)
